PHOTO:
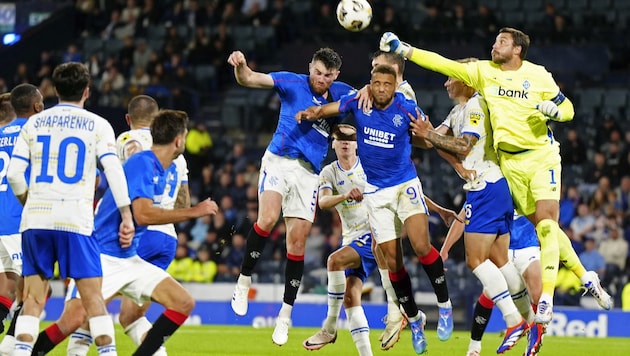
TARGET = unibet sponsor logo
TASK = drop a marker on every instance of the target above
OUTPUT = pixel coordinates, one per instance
(510, 93)
(560, 325)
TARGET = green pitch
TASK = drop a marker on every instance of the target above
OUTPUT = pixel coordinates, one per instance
(240, 340)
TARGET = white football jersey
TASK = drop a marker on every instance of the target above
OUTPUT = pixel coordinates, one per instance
(353, 214)
(62, 145)
(143, 137)
(472, 118)
(406, 89)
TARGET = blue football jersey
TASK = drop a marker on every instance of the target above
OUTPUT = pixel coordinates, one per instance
(146, 178)
(383, 140)
(523, 234)
(307, 141)
(10, 207)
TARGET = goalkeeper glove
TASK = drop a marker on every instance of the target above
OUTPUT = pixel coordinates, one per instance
(391, 43)
(549, 108)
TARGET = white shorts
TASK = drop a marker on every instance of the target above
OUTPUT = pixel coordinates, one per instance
(294, 180)
(11, 254)
(523, 257)
(132, 277)
(390, 207)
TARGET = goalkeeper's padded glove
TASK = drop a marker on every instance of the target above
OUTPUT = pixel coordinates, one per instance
(391, 43)
(549, 108)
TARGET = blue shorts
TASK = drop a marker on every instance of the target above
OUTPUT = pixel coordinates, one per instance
(157, 248)
(78, 255)
(363, 246)
(489, 211)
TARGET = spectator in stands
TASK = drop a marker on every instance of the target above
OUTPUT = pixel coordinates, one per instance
(569, 202)
(72, 54)
(460, 24)
(199, 48)
(175, 15)
(3, 85)
(94, 66)
(431, 27)
(141, 54)
(113, 77)
(224, 187)
(181, 265)
(613, 161)
(199, 229)
(614, 249)
(282, 20)
(623, 194)
(239, 190)
(149, 16)
(222, 45)
(253, 12)
(326, 27)
(388, 20)
(115, 27)
(125, 56)
(485, 23)
(22, 74)
(196, 16)
(568, 288)
(583, 223)
(229, 209)
(203, 269)
(573, 149)
(596, 169)
(198, 149)
(234, 257)
(251, 173)
(138, 81)
(173, 42)
(229, 14)
(607, 126)
(48, 92)
(591, 258)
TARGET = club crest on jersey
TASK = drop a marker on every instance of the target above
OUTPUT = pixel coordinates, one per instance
(526, 84)
(397, 120)
(475, 117)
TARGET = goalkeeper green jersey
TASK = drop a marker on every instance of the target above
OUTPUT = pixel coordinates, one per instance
(512, 97)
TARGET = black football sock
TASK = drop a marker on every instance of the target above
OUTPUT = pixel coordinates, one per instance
(434, 267)
(402, 286)
(293, 277)
(256, 240)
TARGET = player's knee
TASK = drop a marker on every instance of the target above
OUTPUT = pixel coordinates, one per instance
(266, 222)
(127, 317)
(185, 304)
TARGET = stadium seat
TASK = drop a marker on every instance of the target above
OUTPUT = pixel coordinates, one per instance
(513, 18)
(615, 101)
(510, 5)
(206, 77)
(92, 45)
(425, 98)
(533, 5)
(600, 4)
(577, 5)
(590, 98)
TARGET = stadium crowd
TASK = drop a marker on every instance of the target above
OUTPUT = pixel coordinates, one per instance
(175, 51)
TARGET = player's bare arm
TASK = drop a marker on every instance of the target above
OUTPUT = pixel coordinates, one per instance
(455, 233)
(314, 113)
(127, 229)
(327, 200)
(145, 213)
(245, 76)
(447, 215)
(459, 146)
(183, 197)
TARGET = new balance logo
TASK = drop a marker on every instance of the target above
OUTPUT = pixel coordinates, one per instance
(522, 94)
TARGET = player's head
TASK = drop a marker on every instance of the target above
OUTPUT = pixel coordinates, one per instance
(394, 60)
(170, 127)
(383, 85)
(510, 43)
(323, 69)
(141, 110)
(26, 100)
(458, 89)
(344, 141)
(71, 81)
(6, 109)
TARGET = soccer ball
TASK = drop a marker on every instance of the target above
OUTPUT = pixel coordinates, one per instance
(354, 15)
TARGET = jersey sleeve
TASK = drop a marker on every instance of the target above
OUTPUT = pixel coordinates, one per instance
(282, 81)
(326, 178)
(348, 103)
(139, 173)
(474, 119)
(105, 140)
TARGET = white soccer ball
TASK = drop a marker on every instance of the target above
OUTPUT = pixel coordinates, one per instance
(354, 15)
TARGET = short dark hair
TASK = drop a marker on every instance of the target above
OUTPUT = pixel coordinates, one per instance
(520, 39)
(70, 80)
(391, 58)
(384, 69)
(339, 135)
(142, 108)
(167, 124)
(330, 58)
(6, 109)
(23, 97)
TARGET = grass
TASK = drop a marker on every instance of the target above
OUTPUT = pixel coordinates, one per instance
(239, 340)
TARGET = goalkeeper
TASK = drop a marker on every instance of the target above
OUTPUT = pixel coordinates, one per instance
(522, 97)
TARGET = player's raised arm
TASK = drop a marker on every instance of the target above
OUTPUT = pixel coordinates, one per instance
(314, 113)
(426, 59)
(245, 76)
(559, 108)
